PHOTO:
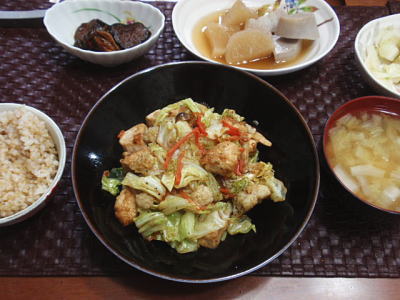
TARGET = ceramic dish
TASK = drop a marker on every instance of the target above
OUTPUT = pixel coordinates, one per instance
(59, 142)
(62, 20)
(293, 156)
(364, 40)
(370, 104)
(187, 13)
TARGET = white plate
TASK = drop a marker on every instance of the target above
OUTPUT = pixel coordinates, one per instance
(365, 39)
(187, 13)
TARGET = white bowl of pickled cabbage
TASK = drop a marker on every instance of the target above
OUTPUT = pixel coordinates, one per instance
(264, 37)
(377, 48)
(361, 145)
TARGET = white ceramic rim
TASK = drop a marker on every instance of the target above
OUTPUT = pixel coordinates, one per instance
(154, 36)
(357, 49)
(266, 72)
(19, 216)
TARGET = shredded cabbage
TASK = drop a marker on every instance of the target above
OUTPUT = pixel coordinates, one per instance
(242, 224)
(168, 179)
(383, 57)
(189, 103)
(191, 172)
(158, 151)
(150, 222)
(210, 116)
(186, 227)
(213, 221)
(185, 246)
(278, 189)
(149, 184)
(239, 185)
(112, 181)
(182, 128)
(213, 185)
(230, 113)
(196, 205)
(173, 203)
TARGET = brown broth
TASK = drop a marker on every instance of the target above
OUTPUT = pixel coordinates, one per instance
(202, 45)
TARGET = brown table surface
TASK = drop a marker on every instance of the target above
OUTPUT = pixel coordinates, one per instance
(142, 286)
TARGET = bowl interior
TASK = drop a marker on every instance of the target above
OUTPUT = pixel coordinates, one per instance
(64, 18)
(187, 13)
(365, 39)
(364, 104)
(59, 142)
(293, 155)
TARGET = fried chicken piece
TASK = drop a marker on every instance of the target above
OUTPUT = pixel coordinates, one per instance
(202, 195)
(254, 194)
(144, 200)
(151, 134)
(141, 161)
(125, 206)
(132, 139)
(152, 117)
(222, 159)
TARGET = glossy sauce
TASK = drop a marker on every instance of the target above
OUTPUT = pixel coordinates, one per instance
(202, 45)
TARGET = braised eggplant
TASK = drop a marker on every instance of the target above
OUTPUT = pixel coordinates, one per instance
(96, 35)
(129, 35)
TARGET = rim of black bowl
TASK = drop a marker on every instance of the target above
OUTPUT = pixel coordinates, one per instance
(98, 234)
(338, 114)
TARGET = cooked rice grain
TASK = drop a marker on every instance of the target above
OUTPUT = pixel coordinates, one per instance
(28, 160)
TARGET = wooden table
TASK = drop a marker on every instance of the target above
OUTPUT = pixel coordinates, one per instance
(142, 286)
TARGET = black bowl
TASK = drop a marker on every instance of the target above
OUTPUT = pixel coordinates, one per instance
(293, 155)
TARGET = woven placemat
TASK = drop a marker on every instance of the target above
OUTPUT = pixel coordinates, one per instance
(343, 238)
(394, 6)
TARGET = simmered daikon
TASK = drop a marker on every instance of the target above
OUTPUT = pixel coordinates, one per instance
(238, 14)
(247, 36)
(218, 36)
(247, 45)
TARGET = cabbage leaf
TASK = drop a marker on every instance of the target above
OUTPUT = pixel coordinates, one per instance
(242, 224)
(213, 221)
(111, 181)
(149, 184)
(173, 203)
(150, 222)
(187, 224)
(191, 172)
(230, 113)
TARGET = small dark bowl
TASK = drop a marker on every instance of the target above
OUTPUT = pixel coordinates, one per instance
(373, 104)
(293, 155)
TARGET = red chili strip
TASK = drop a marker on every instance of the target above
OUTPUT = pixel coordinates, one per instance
(227, 192)
(202, 127)
(176, 147)
(232, 130)
(179, 168)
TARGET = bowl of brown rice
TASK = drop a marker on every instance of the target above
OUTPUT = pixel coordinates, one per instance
(32, 160)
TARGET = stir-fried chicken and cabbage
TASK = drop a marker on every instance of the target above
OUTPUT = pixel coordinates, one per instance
(189, 175)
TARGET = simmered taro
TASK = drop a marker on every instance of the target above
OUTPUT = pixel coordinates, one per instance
(99, 36)
(129, 35)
